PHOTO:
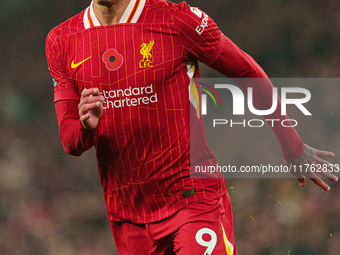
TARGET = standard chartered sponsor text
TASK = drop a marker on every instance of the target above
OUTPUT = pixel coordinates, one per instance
(129, 97)
(262, 169)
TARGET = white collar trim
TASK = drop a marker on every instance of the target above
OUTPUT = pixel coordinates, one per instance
(130, 15)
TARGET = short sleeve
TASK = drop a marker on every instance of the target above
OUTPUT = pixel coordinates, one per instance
(63, 86)
(202, 40)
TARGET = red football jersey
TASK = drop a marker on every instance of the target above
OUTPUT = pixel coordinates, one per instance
(144, 67)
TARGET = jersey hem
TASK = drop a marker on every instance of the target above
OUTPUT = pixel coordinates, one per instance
(197, 198)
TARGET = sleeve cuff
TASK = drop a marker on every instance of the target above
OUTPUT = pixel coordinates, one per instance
(296, 153)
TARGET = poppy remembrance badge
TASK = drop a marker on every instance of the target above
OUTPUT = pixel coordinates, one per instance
(112, 59)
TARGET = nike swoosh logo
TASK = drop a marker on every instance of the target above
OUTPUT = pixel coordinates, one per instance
(73, 65)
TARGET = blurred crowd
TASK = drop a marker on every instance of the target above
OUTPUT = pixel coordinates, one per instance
(52, 203)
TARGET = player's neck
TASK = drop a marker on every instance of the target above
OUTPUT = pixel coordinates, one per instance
(109, 12)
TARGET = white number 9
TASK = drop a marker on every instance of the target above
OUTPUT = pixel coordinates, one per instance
(209, 244)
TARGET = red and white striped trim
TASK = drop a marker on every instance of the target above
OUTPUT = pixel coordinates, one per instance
(130, 15)
(133, 11)
(90, 19)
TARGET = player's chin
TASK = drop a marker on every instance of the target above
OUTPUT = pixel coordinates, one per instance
(105, 2)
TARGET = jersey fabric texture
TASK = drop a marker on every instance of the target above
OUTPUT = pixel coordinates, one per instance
(143, 139)
(144, 68)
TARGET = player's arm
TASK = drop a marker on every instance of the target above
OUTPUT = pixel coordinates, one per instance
(78, 116)
(204, 42)
(78, 121)
(233, 62)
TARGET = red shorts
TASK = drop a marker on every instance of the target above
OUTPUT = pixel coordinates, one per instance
(200, 228)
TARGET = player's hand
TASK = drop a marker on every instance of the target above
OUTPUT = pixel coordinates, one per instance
(311, 157)
(90, 107)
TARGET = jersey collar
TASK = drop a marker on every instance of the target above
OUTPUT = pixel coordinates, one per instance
(130, 15)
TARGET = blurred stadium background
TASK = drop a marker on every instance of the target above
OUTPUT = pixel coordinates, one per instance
(52, 203)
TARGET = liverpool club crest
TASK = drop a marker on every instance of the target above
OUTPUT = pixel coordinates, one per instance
(147, 57)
